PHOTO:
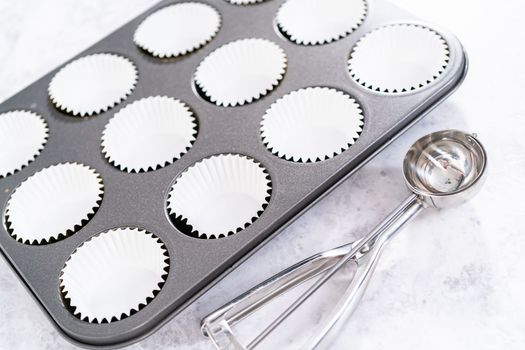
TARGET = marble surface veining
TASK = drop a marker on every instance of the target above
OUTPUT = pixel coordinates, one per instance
(453, 279)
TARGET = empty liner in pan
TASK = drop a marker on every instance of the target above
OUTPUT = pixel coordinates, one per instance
(312, 124)
(93, 84)
(178, 29)
(241, 72)
(398, 58)
(219, 196)
(114, 274)
(53, 203)
(23, 135)
(315, 22)
(149, 134)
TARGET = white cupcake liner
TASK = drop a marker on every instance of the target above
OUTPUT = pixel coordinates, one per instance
(219, 196)
(316, 22)
(93, 84)
(178, 29)
(245, 2)
(398, 58)
(53, 203)
(23, 135)
(312, 124)
(149, 134)
(113, 275)
(241, 71)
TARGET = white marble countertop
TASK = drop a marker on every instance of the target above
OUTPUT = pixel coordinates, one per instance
(453, 279)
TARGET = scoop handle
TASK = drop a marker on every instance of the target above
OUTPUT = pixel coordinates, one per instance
(365, 252)
(217, 325)
(366, 265)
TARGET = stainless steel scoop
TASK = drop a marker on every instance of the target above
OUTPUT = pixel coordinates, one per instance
(442, 169)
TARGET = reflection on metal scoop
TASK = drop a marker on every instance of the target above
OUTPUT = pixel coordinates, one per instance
(445, 168)
(442, 169)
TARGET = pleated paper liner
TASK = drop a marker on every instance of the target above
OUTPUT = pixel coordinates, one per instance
(240, 72)
(312, 124)
(316, 22)
(93, 84)
(398, 58)
(23, 135)
(219, 196)
(149, 134)
(53, 203)
(113, 275)
(178, 29)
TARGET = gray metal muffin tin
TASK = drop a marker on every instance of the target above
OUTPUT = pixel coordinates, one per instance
(140, 199)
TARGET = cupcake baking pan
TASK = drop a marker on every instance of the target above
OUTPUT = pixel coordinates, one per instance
(139, 173)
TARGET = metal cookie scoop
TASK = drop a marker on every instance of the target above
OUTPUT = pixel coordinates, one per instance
(442, 169)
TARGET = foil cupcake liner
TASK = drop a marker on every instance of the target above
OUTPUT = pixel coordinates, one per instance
(178, 29)
(113, 275)
(219, 196)
(398, 58)
(93, 84)
(53, 203)
(312, 124)
(316, 22)
(149, 134)
(23, 135)
(226, 77)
